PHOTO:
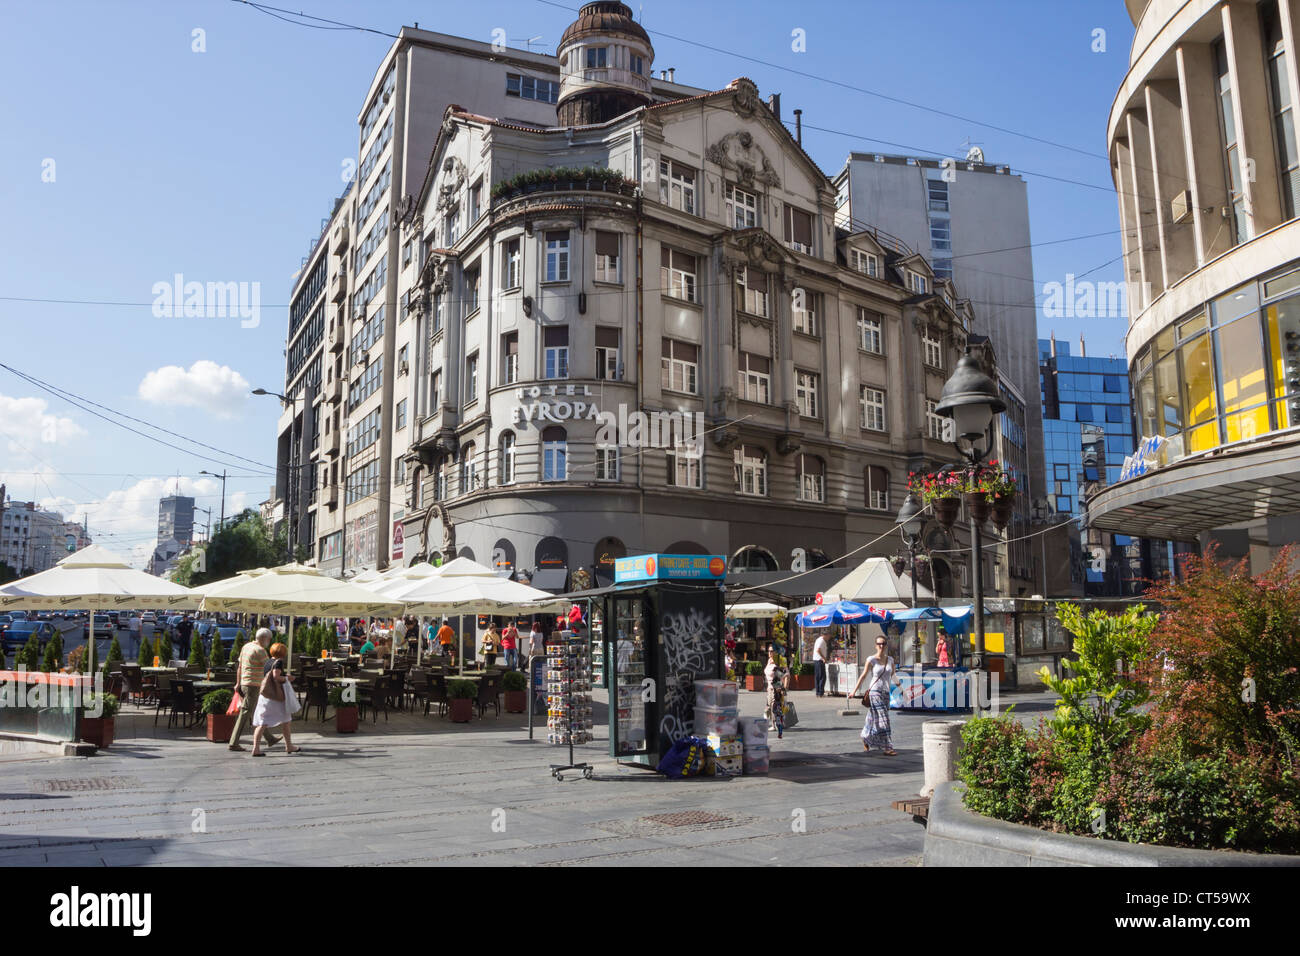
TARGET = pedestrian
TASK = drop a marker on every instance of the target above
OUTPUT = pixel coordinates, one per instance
(276, 704)
(879, 673)
(536, 641)
(941, 646)
(446, 637)
(820, 657)
(491, 645)
(510, 645)
(775, 675)
(249, 673)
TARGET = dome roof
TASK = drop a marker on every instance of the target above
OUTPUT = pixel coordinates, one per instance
(603, 18)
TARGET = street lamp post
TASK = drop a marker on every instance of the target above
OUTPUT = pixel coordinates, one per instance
(911, 522)
(970, 398)
(222, 476)
(292, 401)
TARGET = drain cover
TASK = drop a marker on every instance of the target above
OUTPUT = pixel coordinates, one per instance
(83, 784)
(688, 818)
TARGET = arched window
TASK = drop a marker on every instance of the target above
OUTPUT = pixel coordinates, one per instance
(876, 481)
(751, 470)
(812, 478)
(753, 558)
(468, 470)
(506, 466)
(555, 453)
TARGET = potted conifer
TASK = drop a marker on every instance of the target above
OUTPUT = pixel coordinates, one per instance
(99, 730)
(515, 686)
(220, 724)
(344, 701)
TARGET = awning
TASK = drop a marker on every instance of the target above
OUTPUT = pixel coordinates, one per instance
(553, 580)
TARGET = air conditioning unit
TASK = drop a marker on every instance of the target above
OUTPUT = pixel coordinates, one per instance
(363, 359)
(1180, 207)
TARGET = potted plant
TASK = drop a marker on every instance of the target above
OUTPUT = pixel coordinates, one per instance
(220, 725)
(164, 649)
(99, 730)
(754, 679)
(801, 677)
(115, 652)
(941, 491)
(218, 657)
(460, 696)
(345, 708)
(50, 662)
(197, 660)
(515, 685)
(145, 657)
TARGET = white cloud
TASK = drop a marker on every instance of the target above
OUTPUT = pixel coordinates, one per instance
(217, 388)
(27, 426)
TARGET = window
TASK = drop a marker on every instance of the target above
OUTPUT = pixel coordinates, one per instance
(608, 265)
(607, 463)
(372, 153)
(812, 478)
(557, 256)
(677, 186)
(439, 312)
(555, 444)
(399, 471)
(798, 229)
(677, 274)
(531, 88)
(941, 235)
(506, 467)
(917, 282)
(1279, 69)
(1232, 150)
(403, 360)
(934, 422)
(375, 193)
(363, 482)
(607, 365)
(510, 264)
(636, 64)
(556, 343)
(751, 289)
(364, 433)
(509, 358)
(933, 351)
(451, 227)
(938, 190)
(805, 393)
(755, 378)
(751, 470)
(870, 326)
(742, 208)
(471, 291)
(876, 481)
(471, 378)
(475, 201)
(679, 366)
(371, 332)
(872, 401)
(865, 262)
(406, 252)
(401, 414)
(684, 467)
(468, 470)
(597, 57)
(435, 391)
(365, 385)
(804, 311)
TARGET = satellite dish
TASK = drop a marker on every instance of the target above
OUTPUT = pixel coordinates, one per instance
(976, 155)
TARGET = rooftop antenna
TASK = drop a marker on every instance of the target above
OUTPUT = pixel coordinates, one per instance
(531, 40)
(974, 154)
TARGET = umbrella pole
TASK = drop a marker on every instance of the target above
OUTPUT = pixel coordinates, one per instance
(90, 645)
(289, 666)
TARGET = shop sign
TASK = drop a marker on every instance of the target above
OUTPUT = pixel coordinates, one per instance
(670, 567)
(1146, 458)
(399, 538)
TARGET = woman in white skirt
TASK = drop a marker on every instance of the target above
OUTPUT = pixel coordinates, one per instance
(275, 713)
(879, 673)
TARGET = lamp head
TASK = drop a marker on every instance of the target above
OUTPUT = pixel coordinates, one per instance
(970, 398)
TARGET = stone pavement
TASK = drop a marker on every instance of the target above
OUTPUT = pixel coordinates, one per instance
(424, 791)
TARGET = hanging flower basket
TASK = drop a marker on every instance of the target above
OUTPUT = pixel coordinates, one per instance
(946, 510)
(1003, 508)
(977, 503)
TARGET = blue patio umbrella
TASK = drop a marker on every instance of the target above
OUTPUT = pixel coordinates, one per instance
(843, 612)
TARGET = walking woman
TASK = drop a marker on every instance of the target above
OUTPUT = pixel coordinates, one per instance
(879, 673)
(276, 703)
(775, 675)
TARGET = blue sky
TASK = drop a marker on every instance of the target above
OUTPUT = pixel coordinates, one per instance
(220, 165)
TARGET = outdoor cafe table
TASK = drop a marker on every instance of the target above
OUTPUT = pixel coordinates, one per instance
(204, 686)
(158, 670)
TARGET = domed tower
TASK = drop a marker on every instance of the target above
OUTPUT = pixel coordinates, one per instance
(605, 59)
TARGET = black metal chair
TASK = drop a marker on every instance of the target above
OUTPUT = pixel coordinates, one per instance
(436, 694)
(373, 694)
(162, 696)
(317, 695)
(488, 693)
(183, 703)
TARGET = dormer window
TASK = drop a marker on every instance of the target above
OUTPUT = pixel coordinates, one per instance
(865, 262)
(917, 282)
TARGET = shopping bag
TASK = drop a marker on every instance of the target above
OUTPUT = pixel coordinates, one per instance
(236, 702)
(791, 715)
(290, 699)
(686, 758)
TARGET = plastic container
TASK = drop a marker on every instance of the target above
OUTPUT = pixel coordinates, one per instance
(732, 765)
(715, 720)
(731, 746)
(717, 693)
(753, 731)
(756, 759)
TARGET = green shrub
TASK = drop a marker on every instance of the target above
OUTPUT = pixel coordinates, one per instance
(57, 641)
(218, 656)
(50, 662)
(996, 764)
(109, 702)
(165, 648)
(31, 653)
(145, 657)
(514, 680)
(114, 651)
(337, 692)
(197, 660)
(462, 690)
(754, 668)
(240, 640)
(216, 702)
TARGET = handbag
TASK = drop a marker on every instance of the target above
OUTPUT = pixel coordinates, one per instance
(271, 688)
(236, 702)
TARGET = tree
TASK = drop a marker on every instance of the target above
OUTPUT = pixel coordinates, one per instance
(218, 658)
(145, 657)
(114, 651)
(7, 573)
(244, 542)
(52, 661)
(196, 661)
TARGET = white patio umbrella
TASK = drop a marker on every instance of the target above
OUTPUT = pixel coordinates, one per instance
(296, 589)
(755, 610)
(399, 578)
(96, 579)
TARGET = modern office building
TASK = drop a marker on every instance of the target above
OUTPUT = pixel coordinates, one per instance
(970, 219)
(176, 518)
(344, 303)
(1202, 144)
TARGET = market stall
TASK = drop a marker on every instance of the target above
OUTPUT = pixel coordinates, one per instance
(940, 680)
(839, 621)
(748, 626)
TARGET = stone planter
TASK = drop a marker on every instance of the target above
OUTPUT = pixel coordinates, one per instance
(345, 720)
(98, 731)
(945, 510)
(461, 709)
(220, 727)
(515, 701)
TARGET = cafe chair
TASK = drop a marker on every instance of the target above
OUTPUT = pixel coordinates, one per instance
(162, 695)
(373, 694)
(488, 691)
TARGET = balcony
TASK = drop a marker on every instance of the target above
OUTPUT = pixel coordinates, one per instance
(338, 334)
(334, 390)
(339, 290)
(332, 496)
(605, 76)
(340, 241)
(332, 441)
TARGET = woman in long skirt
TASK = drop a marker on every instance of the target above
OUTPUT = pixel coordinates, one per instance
(775, 675)
(879, 672)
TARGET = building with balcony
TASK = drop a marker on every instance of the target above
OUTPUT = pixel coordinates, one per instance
(31, 538)
(1202, 145)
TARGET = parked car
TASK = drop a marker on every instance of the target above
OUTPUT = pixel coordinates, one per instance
(6, 619)
(18, 615)
(103, 627)
(15, 635)
(228, 634)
